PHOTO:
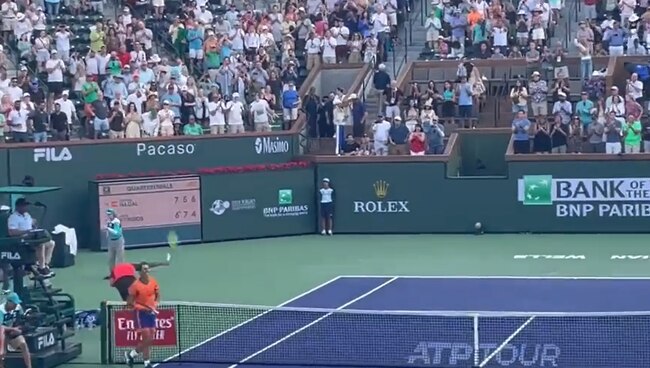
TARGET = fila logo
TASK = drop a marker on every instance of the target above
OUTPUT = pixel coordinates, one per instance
(46, 341)
(52, 154)
(12, 256)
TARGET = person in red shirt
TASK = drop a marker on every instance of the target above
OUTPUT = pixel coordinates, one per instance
(417, 141)
(123, 275)
(144, 296)
(124, 56)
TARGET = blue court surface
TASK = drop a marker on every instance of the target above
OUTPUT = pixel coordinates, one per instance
(444, 322)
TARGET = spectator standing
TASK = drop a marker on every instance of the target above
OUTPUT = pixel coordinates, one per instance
(398, 137)
(290, 104)
(166, 117)
(418, 141)
(613, 133)
(542, 138)
(594, 133)
(519, 96)
(38, 122)
(465, 103)
(632, 130)
(393, 96)
(340, 118)
(520, 130)
(381, 130)
(59, 123)
(381, 82)
(646, 136)
(559, 135)
(261, 114)
(236, 112)
(116, 121)
(435, 136)
(563, 109)
(17, 120)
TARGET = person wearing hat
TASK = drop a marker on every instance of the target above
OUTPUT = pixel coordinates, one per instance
(615, 37)
(235, 111)
(381, 130)
(538, 93)
(115, 239)
(67, 107)
(290, 104)
(11, 333)
(563, 108)
(166, 118)
(21, 223)
(55, 68)
(326, 193)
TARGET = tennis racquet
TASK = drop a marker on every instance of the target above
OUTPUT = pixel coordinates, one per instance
(172, 239)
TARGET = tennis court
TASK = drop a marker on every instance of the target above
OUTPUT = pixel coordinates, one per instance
(430, 321)
(443, 280)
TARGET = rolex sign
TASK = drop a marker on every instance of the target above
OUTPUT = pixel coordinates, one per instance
(382, 204)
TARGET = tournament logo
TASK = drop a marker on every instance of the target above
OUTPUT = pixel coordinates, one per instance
(219, 207)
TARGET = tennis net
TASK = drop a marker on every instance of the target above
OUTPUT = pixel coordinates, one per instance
(211, 334)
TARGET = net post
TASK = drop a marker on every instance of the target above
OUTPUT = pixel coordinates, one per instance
(179, 335)
(477, 360)
(104, 333)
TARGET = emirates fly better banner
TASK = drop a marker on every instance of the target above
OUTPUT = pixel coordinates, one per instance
(126, 336)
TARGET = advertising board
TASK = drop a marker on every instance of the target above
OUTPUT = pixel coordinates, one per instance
(258, 204)
(72, 166)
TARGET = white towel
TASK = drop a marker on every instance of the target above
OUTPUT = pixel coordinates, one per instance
(70, 237)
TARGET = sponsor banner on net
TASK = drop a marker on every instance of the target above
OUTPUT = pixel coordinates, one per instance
(592, 197)
(126, 335)
(219, 207)
(286, 206)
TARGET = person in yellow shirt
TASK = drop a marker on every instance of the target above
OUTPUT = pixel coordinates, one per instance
(97, 37)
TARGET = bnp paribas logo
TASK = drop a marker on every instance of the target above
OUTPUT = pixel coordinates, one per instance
(285, 197)
(538, 190)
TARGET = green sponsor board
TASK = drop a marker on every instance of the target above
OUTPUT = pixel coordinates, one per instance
(583, 196)
(380, 198)
(258, 204)
(547, 197)
(73, 166)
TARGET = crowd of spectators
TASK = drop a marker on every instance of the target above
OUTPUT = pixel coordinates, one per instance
(547, 118)
(161, 68)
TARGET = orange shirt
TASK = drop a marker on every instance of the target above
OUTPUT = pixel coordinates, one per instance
(473, 18)
(145, 295)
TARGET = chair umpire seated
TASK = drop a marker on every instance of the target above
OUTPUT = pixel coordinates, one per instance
(22, 226)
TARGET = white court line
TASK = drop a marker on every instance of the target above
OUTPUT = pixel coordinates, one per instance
(499, 277)
(312, 323)
(315, 288)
